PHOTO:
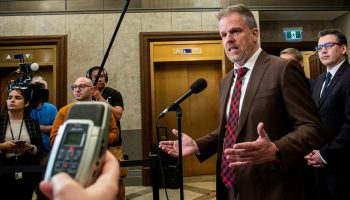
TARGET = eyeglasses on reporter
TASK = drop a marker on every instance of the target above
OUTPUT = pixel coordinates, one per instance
(327, 46)
(81, 87)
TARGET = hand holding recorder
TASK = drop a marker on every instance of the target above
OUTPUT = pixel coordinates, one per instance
(62, 186)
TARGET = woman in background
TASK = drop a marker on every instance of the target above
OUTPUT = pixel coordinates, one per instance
(20, 148)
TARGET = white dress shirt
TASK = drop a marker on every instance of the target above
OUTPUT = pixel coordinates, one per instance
(250, 65)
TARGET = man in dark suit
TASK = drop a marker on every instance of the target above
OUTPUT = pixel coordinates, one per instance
(260, 156)
(332, 97)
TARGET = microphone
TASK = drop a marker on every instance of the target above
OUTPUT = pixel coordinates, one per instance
(196, 87)
(26, 68)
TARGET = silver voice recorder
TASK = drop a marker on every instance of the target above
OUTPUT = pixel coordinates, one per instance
(81, 143)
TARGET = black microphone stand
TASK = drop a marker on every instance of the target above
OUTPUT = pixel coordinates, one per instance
(180, 168)
(176, 107)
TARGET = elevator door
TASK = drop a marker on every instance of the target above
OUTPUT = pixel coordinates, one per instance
(200, 111)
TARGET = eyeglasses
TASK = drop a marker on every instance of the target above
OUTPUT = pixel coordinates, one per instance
(326, 46)
(81, 87)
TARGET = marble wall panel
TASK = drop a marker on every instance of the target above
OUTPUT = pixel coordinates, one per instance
(16, 25)
(342, 23)
(209, 21)
(50, 25)
(155, 22)
(85, 44)
(186, 21)
(124, 65)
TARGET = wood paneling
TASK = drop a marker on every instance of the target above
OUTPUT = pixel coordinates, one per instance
(316, 67)
(200, 112)
(147, 119)
(187, 51)
(58, 71)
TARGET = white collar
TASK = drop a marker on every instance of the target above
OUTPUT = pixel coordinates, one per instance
(252, 60)
(334, 69)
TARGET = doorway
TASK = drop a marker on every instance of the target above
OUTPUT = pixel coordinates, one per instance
(313, 66)
(200, 113)
(50, 52)
(175, 65)
(166, 74)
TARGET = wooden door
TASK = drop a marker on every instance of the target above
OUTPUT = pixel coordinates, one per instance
(316, 67)
(200, 111)
(188, 48)
(50, 52)
(44, 55)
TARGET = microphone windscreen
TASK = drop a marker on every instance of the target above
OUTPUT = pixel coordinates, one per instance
(34, 67)
(199, 85)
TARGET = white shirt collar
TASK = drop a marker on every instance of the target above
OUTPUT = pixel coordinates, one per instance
(251, 62)
(334, 69)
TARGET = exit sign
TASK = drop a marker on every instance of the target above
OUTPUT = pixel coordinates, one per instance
(293, 33)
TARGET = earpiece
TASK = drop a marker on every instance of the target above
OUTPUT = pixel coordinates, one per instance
(88, 72)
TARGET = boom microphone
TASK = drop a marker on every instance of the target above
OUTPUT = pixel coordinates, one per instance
(196, 87)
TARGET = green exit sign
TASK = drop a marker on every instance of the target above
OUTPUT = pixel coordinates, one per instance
(293, 33)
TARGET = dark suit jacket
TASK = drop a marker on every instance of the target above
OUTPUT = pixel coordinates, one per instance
(334, 111)
(278, 95)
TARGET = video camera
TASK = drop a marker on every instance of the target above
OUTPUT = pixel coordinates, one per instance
(38, 92)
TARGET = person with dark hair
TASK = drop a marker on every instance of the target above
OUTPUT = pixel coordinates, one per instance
(20, 148)
(292, 53)
(268, 119)
(115, 100)
(332, 97)
(107, 94)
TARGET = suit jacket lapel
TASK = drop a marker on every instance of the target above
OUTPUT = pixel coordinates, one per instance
(255, 78)
(333, 83)
(317, 89)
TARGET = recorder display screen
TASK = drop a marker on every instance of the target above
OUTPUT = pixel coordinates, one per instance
(74, 138)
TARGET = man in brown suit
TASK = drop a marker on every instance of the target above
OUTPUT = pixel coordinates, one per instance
(277, 125)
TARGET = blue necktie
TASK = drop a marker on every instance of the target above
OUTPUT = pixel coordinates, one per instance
(326, 82)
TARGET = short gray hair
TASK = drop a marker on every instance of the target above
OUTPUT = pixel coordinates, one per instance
(298, 56)
(40, 79)
(241, 9)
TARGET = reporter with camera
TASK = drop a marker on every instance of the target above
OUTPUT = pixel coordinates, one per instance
(20, 148)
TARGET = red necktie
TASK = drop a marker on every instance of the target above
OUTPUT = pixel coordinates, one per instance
(227, 173)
